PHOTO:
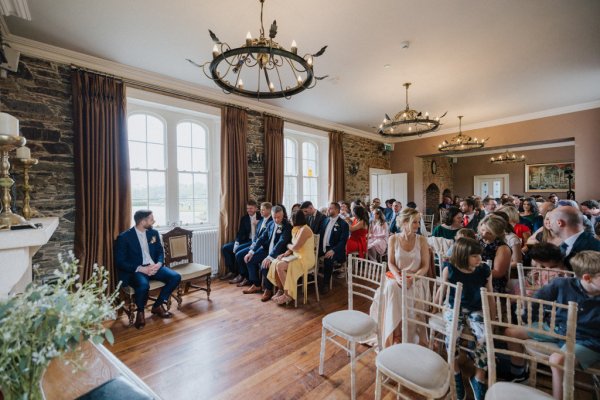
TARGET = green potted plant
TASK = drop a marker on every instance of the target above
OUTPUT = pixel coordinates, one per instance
(49, 320)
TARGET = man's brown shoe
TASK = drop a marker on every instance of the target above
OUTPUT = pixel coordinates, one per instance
(243, 282)
(236, 280)
(252, 289)
(266, 295)
(140, 320)
(161, 312)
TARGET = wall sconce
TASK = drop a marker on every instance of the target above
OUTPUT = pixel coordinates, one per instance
(256, 158)
(353, 168)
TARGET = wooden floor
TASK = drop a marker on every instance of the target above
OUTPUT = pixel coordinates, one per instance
(236, 347)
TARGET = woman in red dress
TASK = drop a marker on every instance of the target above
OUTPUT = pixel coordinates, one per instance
(359, 228)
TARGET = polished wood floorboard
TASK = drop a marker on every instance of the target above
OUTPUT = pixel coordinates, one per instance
(236, 347)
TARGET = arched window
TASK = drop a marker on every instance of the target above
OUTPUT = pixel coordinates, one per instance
(290, 179)
(147, 164)
(192, 168)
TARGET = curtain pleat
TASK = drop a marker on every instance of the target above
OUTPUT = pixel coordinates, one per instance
(273, 159)
(234, 174)
(337, 173)
(102, 182)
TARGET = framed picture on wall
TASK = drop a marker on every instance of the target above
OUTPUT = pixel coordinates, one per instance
(551, 177)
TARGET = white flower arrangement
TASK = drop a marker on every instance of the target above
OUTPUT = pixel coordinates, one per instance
(48, 320)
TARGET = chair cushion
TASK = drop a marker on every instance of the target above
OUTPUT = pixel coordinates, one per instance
(513, 391)
(153, 285)
(350, 323)
(415, 364)
(192, 270)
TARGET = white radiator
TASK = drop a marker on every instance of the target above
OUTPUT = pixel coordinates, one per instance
(205, 246)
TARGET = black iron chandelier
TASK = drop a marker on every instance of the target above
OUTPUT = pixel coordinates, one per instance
(461, 142)
(261, 68)
(507, 157)
(408, 122)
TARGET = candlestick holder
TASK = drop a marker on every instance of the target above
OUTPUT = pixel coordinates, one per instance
(7, 217)
(27, 163)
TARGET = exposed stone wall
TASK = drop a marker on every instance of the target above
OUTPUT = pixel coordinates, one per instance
(256, 144)
(39, 95)
(442, 178)
(368, 154)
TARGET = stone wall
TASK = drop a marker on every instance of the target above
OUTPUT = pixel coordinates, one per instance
(442, 177)
(256, 144)
(368, 154)
(39, 95)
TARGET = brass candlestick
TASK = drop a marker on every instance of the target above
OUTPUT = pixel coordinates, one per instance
(27, 163)
(7, 217)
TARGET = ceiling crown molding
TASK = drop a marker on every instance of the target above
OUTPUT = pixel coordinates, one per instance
(18, 8)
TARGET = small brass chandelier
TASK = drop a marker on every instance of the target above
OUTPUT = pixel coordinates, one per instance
(461, 142)
(507, 157)
(408, 122)
(261, 68)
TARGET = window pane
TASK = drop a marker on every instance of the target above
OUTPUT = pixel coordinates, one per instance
(136, 127)
(184, 135)
(200, 186)
(156, 190)
(186, 186)
(137, 155)
(309, 151)
(199, 160)
(201, 210)
(155, 130)
(186, 211)
(139, 186)
(290, 190)
(184, 159)
(156, 156)
(198, 136)
(290, 166)
(159, 210)
(309, 168)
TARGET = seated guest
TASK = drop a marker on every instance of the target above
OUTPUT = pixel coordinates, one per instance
(489, 205)
(521, 230)
(295, 207)
(242, 278)
(345, 208)
(566, 222)
(139, 257)
(491, 232)
(376, 203)
(271, 243)
(359, 228)
(396, 207)
(530, 215)
(546, 255)
(471, 217)
(334, 235)
(289, 266)
(512, 240)
(378, 236)
(584, 290)
(446, 203)
(453, 221)
(587, 224)
(553, 198)
(591, 209)
(457, 200)
(244, 237)
(314, 218)
(388, 211)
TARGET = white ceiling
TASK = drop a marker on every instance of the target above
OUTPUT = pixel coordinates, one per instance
(485, 59)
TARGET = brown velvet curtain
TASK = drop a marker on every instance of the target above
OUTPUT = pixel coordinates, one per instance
(234, 174)
(337, 172)
(102, 183)
(273, 159)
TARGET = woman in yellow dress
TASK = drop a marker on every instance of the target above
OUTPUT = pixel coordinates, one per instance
(285, 271)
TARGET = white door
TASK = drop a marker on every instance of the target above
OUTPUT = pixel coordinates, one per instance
(374, 173)
(490, 185)
(392, 186)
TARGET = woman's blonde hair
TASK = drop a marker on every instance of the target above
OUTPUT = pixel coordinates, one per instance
(512, 212)
(495, 225)
(407, 215)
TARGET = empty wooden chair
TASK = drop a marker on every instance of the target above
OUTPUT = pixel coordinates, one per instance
(365, 280)
(528, 311)
(414, 367)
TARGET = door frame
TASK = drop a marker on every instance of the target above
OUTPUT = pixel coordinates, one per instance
(505, 177)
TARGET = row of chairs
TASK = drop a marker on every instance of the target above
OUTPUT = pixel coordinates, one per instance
(432, 376)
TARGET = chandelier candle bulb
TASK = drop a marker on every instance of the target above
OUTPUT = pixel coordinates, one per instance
(215, 51)
(271, 86)
(294, 48)
(9, 125)
(240, 83)
(23, 153)
(248, 39)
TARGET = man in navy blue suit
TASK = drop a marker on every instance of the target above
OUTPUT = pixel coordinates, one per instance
(334, 234)
(566, 222)
(244, 237)
(139, 258)
(396, 208)
(242, 278)
(269, 245)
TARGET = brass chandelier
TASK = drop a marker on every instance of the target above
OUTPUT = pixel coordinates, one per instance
(461, 142)
(507, 157)
(408, 122)
(260, 68)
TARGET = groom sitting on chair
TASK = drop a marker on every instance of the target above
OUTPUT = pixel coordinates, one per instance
(139, 258)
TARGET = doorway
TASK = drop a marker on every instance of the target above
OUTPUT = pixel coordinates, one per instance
(491, 185)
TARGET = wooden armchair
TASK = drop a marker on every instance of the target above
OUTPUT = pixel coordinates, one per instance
(178, 256)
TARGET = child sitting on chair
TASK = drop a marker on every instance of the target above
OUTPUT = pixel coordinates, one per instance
(543, 255)
(465, 266)
(584, 289)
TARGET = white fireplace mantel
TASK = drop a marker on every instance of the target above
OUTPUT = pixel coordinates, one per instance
(17, 248)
